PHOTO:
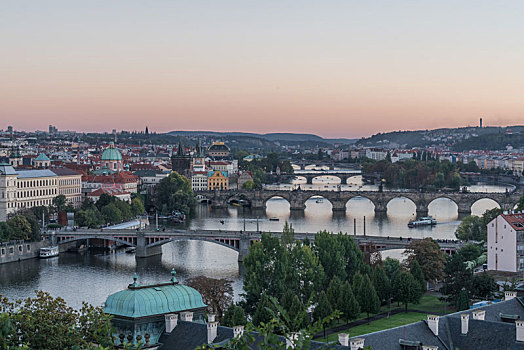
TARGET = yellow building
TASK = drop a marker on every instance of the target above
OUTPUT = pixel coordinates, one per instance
(217, 180)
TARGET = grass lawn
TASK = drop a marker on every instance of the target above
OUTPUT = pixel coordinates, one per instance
(429, 304)
(384, 323)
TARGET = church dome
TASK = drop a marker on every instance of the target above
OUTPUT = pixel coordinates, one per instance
(111, 153)
(151, 300)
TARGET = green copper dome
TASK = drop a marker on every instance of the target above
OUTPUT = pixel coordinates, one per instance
(42, 157)
(150, 300)
(111, 153)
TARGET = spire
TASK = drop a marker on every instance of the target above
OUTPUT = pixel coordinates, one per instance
(199, 149)
(180, 151)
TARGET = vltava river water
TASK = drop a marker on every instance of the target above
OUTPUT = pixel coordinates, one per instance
(89, 277)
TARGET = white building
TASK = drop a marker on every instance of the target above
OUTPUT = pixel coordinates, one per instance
(506, 243)
(199, 180)
(24, 189)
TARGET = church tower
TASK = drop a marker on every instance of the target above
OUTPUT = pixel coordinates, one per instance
(181, 162)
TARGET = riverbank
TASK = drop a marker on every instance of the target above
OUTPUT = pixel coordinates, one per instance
(19, 250)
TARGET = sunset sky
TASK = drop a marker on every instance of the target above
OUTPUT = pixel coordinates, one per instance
(333, 68)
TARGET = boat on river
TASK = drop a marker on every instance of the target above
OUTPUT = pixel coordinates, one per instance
(48, 252)
(424, 221)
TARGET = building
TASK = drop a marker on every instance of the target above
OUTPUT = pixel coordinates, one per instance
(144, 313)
(115, 192)
(199, 181)
(124, 180)
(218, 150)
(244, 177)
(70, 185)
(42, 161)
(217, 180)
(506, 243)
(181, 161)
(149, 179)
(111, 161)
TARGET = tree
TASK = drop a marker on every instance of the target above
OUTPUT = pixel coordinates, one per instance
(174, 193)
(111, 214)
(262, 314)
(470, 251)
(334, 292)
(44, 322)
(288, 234)
(234, 316)
(216, 293)
(456, 278)
(428, 254)
(418, 275)
(323, 309)
(249, 185)
(405, 288)
(366, 295)
(20, 228)
(348, 304)
(60, 202)
(391, 266)
(381, 283)
(137, 206)
(470, 229)
(463, 300)
(104, 200)
(483, 286)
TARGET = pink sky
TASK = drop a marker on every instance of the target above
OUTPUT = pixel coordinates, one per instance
(337, 69)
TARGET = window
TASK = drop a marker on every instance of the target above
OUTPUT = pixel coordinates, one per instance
(20, 248)
(28, 247)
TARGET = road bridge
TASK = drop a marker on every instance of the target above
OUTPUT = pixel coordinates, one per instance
(338, 199)
(149, 242)
(310, 175)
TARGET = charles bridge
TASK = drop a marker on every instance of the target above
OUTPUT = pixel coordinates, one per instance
(297, 198)
(149, 242)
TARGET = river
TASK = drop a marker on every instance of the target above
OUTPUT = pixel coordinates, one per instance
(92, 277)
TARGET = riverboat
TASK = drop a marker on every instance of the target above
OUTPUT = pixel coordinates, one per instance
(48, 252)
(424, 221)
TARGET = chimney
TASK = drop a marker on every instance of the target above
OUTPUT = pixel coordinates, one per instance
(291, 339)
(210, 318)
(433, 323)
(356, 344)
(520, 330)
(343, 339)
(186, 316)
(211, 331)
(464, 322)
(238, 331)
(509, 295)
(479, 315)
(171, 322)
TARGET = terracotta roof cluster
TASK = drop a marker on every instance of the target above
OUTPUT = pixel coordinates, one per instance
(112, 191)
(122, 177)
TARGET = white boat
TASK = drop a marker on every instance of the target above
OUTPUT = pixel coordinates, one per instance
(48, 252)
(424, 221)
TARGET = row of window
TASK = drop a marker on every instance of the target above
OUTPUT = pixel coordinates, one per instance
(64, 182)
(11, 250)
(35, 183)
(37, 193)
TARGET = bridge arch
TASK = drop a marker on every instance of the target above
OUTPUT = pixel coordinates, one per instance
(480, 205)
(225, 242)
(237, 198)
(354, 200)
(400, 200)
(130, 243)
(318, 198)
(317, 177)
(443, 211)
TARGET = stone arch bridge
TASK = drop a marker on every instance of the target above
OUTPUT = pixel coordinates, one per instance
(338, 199)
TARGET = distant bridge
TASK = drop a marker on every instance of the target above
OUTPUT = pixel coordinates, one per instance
(338, 199)
(310, 175)
(148, 243)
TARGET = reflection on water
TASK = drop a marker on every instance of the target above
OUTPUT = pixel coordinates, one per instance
(92, 278)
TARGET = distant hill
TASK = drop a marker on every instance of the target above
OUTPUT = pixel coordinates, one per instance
(281, 138)
(457, 138)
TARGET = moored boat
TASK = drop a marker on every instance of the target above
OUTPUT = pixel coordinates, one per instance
(48, 252)
(424, 221)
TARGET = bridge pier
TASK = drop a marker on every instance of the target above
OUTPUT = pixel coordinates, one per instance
(380, 207)
(338, 206)
(142, 251)
(244, 244)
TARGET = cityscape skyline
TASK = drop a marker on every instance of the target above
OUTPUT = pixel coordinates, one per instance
(337, 69)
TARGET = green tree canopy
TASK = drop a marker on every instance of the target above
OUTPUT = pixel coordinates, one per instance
(234, 316)
(366, 295)
(406, 288)
(428, 254)
(174, 193)
(416, 272)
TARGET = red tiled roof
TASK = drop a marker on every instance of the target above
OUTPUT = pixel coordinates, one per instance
(515, 220)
